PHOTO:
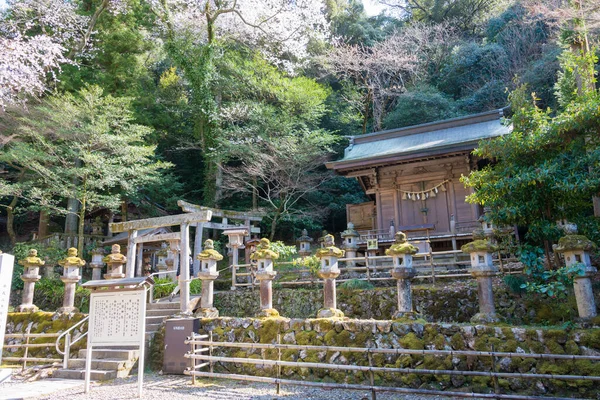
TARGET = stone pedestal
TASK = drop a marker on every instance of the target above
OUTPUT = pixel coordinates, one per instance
(264, 257)
(70, 277)
(208, 273)
(31, 264)
(114, 263)
(403, 271)
(483, 269)
(97, 263)
(576, 250)
(329, 271)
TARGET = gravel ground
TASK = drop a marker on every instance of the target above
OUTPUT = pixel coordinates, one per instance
(176, 388)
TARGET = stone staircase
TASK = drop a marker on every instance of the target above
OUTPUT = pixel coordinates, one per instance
(156, 313)
(107, 363)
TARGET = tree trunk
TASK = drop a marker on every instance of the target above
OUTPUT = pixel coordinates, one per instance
(254, 193)
(10, 220)
(80, 230)
(71, 220)
(124, 210)
(43, 224)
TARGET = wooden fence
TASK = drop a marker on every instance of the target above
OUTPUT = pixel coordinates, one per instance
(202, 350)
(26, 344)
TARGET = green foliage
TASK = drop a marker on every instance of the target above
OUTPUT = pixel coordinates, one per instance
(514, 283)
(310, 262)
(49, 294)
(50, 253)
(356, 284)
(420, 105)
(286, 253)
(163, 287)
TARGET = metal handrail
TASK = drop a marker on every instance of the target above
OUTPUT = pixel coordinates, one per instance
(68, 343)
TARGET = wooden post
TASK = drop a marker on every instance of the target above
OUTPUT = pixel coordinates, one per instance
(140, 260)
(198, 245)
(131, 246)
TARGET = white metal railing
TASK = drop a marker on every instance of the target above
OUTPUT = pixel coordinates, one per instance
(68, 343)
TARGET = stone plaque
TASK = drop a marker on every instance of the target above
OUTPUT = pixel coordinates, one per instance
(117, 318)
(7, 263)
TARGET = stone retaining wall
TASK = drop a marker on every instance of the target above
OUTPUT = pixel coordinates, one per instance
(388, 334)
(435, 303)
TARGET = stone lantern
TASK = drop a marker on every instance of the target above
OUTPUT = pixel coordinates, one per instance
(304, 241)
(31, 274)
(172, 260)
(236, 242)
(207, 274)
(97, 227)
(483, 269)
(97, 263)
(114, 263)
(403, 271)
(162, 255)
(329, 255)
(576, 251)
(70, 277)
(264, 257)
(350, 237)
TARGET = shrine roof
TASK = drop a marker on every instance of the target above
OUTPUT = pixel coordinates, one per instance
(456, 134)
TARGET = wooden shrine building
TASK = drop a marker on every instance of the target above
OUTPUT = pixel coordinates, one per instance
(412, 177)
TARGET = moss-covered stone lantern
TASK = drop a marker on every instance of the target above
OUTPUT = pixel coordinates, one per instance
(576, 251)
(161, 263)
(97, 263)
(403, 271)
(483, 269)
(31, 274)
(264, 257)
(207, 274)
(329, 271)
(114, 263)
(70, 277)
(350, 237)
(304, 242)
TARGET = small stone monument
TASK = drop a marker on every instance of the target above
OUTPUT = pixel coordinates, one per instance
(70, 277)
(304, 242)
(403, 271)
(265, 274)
(483, 269)
(329, 271)
(162, 255)
(114, 262)
(98, 227)
(208, 273)
(31, 274)
(97, 263)
(350, 237)
(576, 250)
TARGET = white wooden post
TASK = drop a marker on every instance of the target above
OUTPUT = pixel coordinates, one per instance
(184, 269)
(7, 263)
(131, 246)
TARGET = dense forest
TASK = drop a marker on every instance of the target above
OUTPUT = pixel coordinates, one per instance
(130, 105)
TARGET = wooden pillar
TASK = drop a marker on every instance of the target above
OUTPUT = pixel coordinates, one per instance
(131, 250)
(197, 245)
(139, 265)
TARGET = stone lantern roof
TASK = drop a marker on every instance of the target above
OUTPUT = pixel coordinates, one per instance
(350, 231)
(304, 237)
(574, 242)
(32, 260)
(263, 251)
(115, 256)
(72, 260)
(401, 246)
(209, 252)
(480, 245)
(329, 249)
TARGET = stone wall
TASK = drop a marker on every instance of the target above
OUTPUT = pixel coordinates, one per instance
(435, 303)
(388, 334)
(42, 322)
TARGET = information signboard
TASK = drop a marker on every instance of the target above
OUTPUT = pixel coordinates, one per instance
(7, 263)
(117, 318)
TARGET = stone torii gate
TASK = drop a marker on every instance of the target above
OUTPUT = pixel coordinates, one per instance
(184, 221)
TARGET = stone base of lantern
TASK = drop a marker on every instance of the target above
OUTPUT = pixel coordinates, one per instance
(483, 318)
(404, 315)
(330, 313)
(268, 313)
(207, 313)
(27, 308)
(96, 273)
(584, 294)
(114, 276)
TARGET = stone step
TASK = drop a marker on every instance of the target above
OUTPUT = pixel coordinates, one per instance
(95, 375)
(158, 319)
(112, 354)
(163, 312)
(161, 306)
(153, 327)
(104, 364)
